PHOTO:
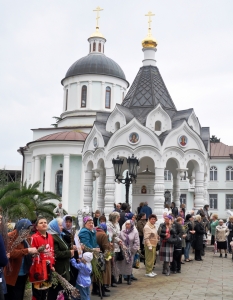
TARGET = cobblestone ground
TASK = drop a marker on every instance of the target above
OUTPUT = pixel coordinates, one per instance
(207, 280)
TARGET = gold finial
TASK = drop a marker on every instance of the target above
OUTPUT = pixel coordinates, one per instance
(97, 33)
(149, 41)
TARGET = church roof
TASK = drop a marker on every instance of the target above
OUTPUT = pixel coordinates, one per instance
(146, 92)
(64, 136)
(220, 150)
(95, 63)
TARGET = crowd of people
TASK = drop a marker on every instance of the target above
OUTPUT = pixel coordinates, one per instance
(125, 236)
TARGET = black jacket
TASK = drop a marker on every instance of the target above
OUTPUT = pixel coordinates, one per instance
(198, 241)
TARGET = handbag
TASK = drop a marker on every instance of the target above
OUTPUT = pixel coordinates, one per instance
(101, 262)
(136, 262)
(173, 240)
(119, 255)
(158, 246)
(38, 270)
(188, 237)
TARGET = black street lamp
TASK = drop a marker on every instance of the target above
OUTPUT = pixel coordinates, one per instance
(133, 163)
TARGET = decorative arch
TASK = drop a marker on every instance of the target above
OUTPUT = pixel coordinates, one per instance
(158, 126)
(116, 116)
(59, 182)
(117, 126)
(213, 173)
(229, 173)
(158, 114)
(99, 47)
(89, 142)
(94, 46)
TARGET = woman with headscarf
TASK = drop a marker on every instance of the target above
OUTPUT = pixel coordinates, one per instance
(130, 245)
(62, 255)
(103, 242)
(19, 262)
(114, 237)
(87, 236)
(198, 238)
(67, 225)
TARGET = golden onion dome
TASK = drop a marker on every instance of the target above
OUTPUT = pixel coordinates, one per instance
(97, 33)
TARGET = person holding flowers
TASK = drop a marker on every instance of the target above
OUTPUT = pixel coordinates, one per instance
(20, 249)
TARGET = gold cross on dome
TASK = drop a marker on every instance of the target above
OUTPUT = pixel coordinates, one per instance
(149, 15)
(98, 9)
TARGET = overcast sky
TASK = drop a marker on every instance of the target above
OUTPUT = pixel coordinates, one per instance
(41, 39)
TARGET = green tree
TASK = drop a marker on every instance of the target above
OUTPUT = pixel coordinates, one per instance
(19, 201)
(214, 139)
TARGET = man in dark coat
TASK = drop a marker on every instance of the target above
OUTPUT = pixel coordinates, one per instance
(147, 210)
(174, 209)
(198, 241)
(124, 207)
(176, 263)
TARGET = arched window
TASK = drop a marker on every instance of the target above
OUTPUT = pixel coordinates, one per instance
(59, 182)
(158, 126)
(103, 48)
(99, 47)
(123, 95)
(66, 100)
(108, 97)
(90, 48)
(84, 96)
(213, 173)
(117, 126)
(94, 46)
(229, 173)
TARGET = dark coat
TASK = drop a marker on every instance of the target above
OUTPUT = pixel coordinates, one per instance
(166, 249)
(62, 257)
(102, 240)
(3, 257)
(147, 210)
(122, 219)
(198, 238)
(175, 211)
(178, 231)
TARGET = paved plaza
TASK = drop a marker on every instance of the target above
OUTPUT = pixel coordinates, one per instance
(207, 280)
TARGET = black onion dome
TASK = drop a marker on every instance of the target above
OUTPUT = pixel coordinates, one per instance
(95, 64)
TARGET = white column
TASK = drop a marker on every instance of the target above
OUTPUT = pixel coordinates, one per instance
(103, 94)
(176, 190)
(88, 189)
(199, 190)
(206, 194)
(89, 94)
(48, 171)
(113, 96)
(159, 192)
(66, 180)
(37, 169)
(109, 192)
(32, 170)
(100, 191)
(78, 103)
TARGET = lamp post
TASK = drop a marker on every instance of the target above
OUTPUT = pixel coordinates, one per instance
(131, 174)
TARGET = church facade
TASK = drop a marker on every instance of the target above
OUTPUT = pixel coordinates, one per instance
(101, 121)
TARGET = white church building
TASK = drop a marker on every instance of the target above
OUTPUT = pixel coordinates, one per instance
(102, 120)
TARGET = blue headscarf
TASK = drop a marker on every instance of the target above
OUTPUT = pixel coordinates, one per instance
(22, 224)
(103, 226)
(53, 228)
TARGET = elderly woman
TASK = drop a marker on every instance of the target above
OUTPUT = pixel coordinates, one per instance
(189, 225)
(221, 234)
(62, 255)
(130, 245)
(113, 229)
(198, 239)
(151, 240)
(230, 236)
(20, 262)
(213, 226)
(103, 242)
(67, 224)
(166, 249)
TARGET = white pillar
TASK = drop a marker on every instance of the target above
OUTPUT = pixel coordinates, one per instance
(78, 103)
(103, 94)
(109, 192)
(88, 189)
(48, 170)
(206, 194)
(89, 94)
(100, 191)
(32, 170)
(159, 192)
(37, 169)
(66, 180)
(199, 190)
(176, 190)
(113, 96)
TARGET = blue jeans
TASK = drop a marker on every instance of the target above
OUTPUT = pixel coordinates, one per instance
(84, 292)
(186, 250)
